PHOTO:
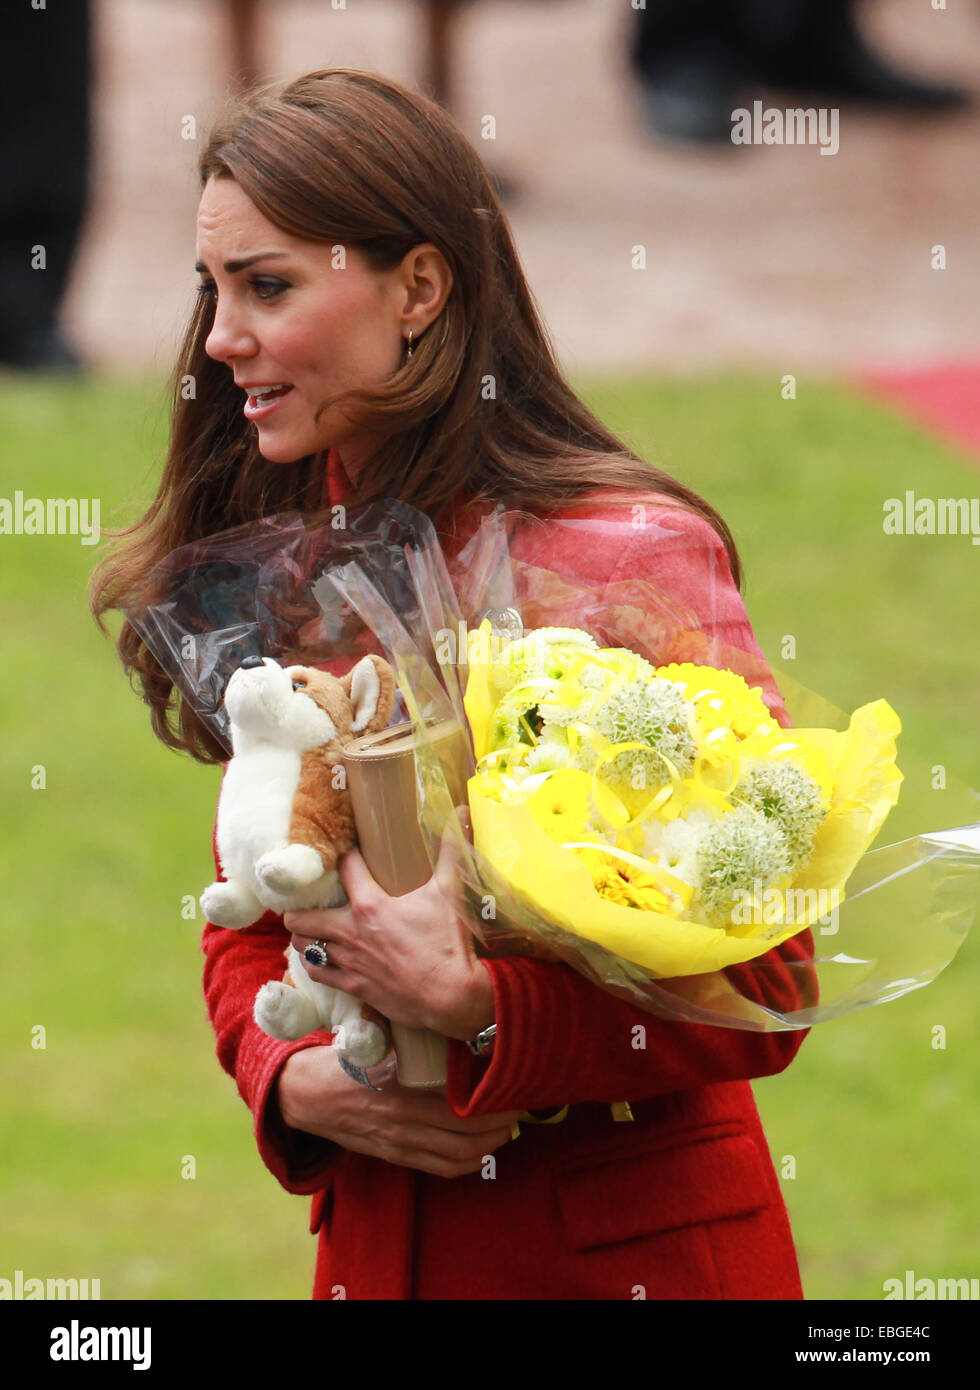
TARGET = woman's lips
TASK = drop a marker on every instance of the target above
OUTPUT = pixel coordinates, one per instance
(254, 411)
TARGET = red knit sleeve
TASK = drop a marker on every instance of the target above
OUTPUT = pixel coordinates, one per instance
(561, 1039)
(237, 964)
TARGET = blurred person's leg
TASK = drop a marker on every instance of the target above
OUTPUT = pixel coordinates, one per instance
(242, 19)
(44, 109)
(685, 55)
(438, 73)
(437, 57)
(817, 45)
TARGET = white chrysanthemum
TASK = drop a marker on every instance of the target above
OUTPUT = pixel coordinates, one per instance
(676, 844)
(547, 651)
(592, 676)
(740, 852)
(786, 794)
(653, 712)
(551, 752)
(557, 716)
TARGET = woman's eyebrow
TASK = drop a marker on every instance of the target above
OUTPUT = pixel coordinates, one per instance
(231, 267)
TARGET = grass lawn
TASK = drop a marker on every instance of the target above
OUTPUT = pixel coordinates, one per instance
(101, 1123)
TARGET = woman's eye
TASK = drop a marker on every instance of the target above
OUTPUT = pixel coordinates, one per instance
(264, 288)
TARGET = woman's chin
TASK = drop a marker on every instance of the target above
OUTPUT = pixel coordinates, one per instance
(280, 450)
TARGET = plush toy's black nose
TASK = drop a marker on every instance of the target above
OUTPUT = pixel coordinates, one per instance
(250, 663)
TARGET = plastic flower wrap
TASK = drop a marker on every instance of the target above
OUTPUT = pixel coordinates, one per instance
(637, 810)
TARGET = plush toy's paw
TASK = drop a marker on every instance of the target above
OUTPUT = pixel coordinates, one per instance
(362, 1042)
(230, 905)
(285, 870)
(283, 1012)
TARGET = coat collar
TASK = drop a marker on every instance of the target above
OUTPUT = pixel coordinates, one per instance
(337, 487)
(454, 524)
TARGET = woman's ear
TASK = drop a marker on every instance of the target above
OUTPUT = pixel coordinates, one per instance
(428, 281)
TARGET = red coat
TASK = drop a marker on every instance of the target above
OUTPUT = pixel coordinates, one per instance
(681, 1203)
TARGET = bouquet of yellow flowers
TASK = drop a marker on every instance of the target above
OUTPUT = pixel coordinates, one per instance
(661, 812)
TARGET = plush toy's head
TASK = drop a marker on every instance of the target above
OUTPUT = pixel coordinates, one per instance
(300, 707)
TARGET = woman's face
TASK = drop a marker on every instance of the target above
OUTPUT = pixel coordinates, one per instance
(301, 315)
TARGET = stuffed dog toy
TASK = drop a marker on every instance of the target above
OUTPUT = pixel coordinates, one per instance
(284, 820)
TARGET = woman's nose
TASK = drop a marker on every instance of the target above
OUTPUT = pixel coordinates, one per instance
(229, 336)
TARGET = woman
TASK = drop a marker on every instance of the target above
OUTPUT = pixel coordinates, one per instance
(361, 287)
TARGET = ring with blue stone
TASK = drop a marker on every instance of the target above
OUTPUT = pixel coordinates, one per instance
(316, 953)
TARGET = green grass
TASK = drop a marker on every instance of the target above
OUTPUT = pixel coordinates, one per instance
(99, 1123)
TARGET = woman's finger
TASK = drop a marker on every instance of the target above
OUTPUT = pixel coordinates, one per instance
(421, 1160)
(334, 976)
(475, 1124)
(418, 1140)
(441, 1167)
(432, 1110)
(330, 923)
(361, 887)
(332, 949)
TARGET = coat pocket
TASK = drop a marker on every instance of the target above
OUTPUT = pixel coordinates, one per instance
(662, 1189)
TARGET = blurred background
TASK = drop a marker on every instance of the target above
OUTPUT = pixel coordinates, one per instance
(793, 333)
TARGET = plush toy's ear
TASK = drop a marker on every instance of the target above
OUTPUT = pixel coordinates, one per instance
(371, 688)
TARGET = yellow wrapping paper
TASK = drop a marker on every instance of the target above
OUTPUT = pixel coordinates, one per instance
(529, 867)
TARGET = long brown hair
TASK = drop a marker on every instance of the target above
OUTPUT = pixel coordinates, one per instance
(481, 408)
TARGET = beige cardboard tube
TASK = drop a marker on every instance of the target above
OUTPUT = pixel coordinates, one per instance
(380, 771)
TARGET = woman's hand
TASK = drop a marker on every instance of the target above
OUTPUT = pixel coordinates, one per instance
(415, 1129)
(411, 958)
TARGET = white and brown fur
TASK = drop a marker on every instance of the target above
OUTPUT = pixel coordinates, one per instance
(284, 820)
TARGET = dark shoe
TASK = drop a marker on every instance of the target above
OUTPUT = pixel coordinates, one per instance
(834, 60)
(41, 350)
(691, 97)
